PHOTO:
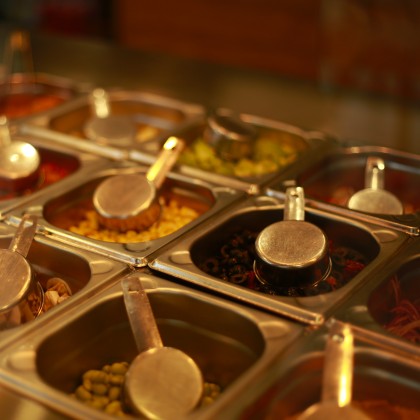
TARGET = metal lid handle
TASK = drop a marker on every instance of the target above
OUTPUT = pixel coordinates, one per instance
(375, 173)
(99, 101)
(294, 207)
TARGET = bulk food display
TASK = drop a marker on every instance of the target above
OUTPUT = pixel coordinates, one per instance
(251, 245)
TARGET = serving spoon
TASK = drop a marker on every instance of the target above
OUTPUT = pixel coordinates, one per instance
(162, 382)
(105, 127)
(292, 252)
(337, 380)
(130, 201)
(374, 198)
(19, 160)
(16, 273)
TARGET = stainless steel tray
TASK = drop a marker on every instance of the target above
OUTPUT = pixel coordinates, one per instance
(85, 272)
(310, 143)
(232, 344)
(385, 371)
(182, 258)
(156, 118)
(211, 198)
(64, 159)
(331, 179)
(370, 308)
(63, 88)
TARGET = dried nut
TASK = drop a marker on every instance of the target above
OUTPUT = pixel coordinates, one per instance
(99, 389)
(119, 368)
(114, 393)
(114, 407)
(95, 375)
(82, 393)
(98, 402)
(116, 379)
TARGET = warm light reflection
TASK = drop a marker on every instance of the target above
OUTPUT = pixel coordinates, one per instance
(344, 396)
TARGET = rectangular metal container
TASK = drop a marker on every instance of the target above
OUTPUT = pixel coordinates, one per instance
(35, 86)
(155, 117)
(231, 343)
(308, 144)
(329, 182)
(183, 258)
(59, 165)
(85, 272)
(73, 198)
(385, 374)
(394, 285)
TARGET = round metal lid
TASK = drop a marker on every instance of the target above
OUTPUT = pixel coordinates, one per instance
(15, 277)
(18, 160)
(105, 127)
(114, 129)
(156, 382)
(291, 244)
(373, 200)
(123, 196)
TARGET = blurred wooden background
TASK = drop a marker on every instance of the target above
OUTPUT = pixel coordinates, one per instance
(367, 45)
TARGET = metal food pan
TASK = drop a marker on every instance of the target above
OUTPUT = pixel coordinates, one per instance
(330, 181)
(232, 345)
(280, 137)
(67, 206)
(156, 117)
(385, 379)
(28, 96)
(392, 288)
(59, 164)
(84, 272)
(190, 258)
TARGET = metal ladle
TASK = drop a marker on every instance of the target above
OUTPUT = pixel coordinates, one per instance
(292, 252)
(19, 160)
(104, 127)
(16, 275)
(374, 198)
(161, 382)
(337, 379)
(231, 137)
(130, 201)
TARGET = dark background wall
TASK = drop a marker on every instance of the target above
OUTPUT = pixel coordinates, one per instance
(368, 45)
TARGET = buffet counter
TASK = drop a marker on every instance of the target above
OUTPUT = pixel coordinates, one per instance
(253, 157)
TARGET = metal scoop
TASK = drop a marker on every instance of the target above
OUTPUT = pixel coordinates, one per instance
(105, 128)
(231, 137)
(374, 198)
(337, 380)
(16, 276)
(19, 161)
(162, 382)
(292, 253)
(130, 201)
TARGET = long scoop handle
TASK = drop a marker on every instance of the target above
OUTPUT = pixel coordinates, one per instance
(165, 161)
(140, 314)
(375, 173)
(5, 138)
(337, 378)
(294, 206)
(24, 236)
(99, 102)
